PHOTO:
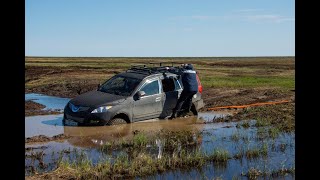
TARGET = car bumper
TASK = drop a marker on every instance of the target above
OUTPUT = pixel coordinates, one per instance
(86, 117)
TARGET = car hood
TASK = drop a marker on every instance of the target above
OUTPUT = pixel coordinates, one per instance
(96, 98)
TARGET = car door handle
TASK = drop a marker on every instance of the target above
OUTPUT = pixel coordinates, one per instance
(158, 99)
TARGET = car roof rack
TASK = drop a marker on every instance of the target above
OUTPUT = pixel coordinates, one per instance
(144, 69)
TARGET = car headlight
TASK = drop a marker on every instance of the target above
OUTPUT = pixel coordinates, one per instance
(101, 109)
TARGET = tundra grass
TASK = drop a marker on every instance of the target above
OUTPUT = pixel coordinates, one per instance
(247, 82)
(280, 117)
(254, 173)
(233, 72)
(170, 140)
(140, 165)
(135, 159)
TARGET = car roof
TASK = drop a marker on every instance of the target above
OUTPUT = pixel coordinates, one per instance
(143, 75)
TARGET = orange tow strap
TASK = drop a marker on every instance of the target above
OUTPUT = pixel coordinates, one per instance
(248, 105)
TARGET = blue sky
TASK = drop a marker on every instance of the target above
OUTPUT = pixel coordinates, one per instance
(159, 28)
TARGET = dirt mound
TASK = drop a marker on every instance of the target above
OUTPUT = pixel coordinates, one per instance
(30, 105)
(67, 90)
(43, 138)
(33, 108)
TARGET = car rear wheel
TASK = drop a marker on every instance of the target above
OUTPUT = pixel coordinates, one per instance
(117, 121)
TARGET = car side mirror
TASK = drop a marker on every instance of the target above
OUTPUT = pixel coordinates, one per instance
(140, 94)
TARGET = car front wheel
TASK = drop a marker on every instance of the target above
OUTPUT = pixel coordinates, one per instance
(117, 121)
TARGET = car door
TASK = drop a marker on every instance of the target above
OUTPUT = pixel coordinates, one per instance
(149, 105)
(172, 90)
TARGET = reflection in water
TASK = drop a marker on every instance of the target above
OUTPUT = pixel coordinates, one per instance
(55, 122)
(159, 144)
(281, 150)
(48, 125)
(213, 136)
(97, 135)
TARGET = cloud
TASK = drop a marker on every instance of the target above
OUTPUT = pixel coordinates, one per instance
(249, 15)
(268, 18)
(248, 10)
(200, 17)
(193, 17)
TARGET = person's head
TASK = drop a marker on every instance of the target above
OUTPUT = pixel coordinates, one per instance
(189, 67)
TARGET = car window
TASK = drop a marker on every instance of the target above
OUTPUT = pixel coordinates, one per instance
(117, 82)
(168, 85)
(120, 85)
(177, 85)
(151, 88)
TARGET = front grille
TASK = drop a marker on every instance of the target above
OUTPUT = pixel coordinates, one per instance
(78, 119)
(75, 108)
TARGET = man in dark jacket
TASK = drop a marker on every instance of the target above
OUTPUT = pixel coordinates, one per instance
(190, 88)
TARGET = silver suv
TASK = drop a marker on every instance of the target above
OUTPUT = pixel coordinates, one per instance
(140, 93)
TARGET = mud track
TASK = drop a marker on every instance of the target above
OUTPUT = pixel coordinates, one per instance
(33, 109)
(230, 97)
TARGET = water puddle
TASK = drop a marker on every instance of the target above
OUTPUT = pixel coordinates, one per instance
(48, 125)
(91, 142)
(95, 142)
(51, 102)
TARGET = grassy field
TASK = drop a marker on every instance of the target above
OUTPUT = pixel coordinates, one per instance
(214, 72)
(226, 81)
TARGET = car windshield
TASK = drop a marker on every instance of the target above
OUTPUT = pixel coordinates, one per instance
(120, 85)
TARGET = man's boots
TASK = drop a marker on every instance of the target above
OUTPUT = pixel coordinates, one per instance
(174, 115)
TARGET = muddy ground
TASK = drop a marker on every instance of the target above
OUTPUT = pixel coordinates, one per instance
(42, 138)
(63, 77)
(70, 88)
(212, 97)
(225, 97)
(226, 81)
(33, 109)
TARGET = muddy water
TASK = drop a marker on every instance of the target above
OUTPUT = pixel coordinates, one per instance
(214, 136)
(51, 102)
(90, 140)
(50, 125)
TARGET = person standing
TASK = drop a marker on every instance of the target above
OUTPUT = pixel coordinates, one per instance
(190, 88)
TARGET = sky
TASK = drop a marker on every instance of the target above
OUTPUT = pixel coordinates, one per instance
(159, 28)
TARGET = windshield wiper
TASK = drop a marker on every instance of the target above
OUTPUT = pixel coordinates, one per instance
(105, 91)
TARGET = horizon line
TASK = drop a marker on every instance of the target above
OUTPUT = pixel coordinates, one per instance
(153, 56)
